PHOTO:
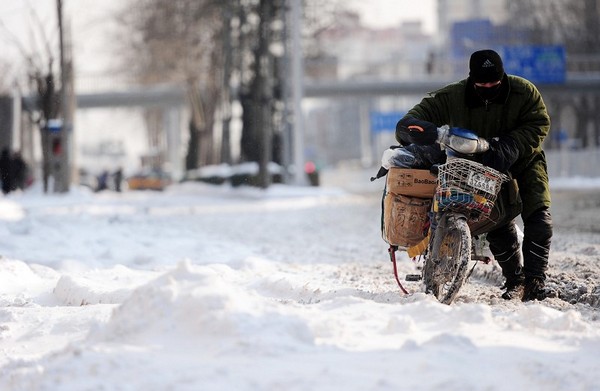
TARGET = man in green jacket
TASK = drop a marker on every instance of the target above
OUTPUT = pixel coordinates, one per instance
(510, 113)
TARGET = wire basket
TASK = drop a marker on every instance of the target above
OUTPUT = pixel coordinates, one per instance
(468, 187)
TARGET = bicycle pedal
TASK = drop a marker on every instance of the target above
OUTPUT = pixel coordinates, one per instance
(413, 277)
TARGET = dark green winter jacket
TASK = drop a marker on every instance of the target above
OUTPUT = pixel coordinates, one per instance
(520, 114)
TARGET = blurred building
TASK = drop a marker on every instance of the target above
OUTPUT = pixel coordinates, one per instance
(336, 130)
(351, 50)
(452, 11)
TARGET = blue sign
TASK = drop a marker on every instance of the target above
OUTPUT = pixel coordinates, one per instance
(54, 125)
(539, 64)
(385, 122)
(464, 36)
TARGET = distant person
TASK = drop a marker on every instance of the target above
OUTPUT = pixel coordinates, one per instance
(102, 181)
(118, 178)
(429, 64)
(6, 171)
(509, 111)
(20, 172)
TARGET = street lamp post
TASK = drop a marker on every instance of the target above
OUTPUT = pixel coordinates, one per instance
(297, 91)
(60, 165)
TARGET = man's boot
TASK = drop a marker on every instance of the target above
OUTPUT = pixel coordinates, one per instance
(504, 244)
(535, 289)
(513, 273)
(536, 262)
(536, 251)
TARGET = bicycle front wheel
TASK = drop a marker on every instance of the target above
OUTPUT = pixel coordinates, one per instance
(447, 263)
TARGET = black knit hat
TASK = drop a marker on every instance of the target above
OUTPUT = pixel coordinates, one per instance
(485, 66)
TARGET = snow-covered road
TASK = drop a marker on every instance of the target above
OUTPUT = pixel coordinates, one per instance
(215, 288)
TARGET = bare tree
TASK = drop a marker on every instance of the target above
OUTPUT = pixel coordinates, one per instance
(222, 51)
(41, 74)
(263, 87)
(176, 41)
(256, 90)
(573, 23)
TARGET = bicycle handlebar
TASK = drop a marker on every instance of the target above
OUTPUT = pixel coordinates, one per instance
(461, 140)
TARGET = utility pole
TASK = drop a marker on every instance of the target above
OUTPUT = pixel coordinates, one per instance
(297, 68)
(263, 92)
(61, 148)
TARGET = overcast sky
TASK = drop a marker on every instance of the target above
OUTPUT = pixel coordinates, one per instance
(388, 13)
(92, 27)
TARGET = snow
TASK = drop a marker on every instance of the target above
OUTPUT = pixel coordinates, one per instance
(205, 287)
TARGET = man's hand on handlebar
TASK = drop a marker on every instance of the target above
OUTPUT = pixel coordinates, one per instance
(502, 154)
(410, 130)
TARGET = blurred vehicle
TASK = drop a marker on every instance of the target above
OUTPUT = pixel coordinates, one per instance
(149, 180)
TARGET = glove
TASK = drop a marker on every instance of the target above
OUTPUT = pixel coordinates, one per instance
(410, 130)
(501, 155)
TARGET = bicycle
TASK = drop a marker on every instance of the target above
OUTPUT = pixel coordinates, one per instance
(465, 195)
(464, 198)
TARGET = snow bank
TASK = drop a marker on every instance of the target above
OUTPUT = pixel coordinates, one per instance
(204, 304)
(216, 327)
(107, 286)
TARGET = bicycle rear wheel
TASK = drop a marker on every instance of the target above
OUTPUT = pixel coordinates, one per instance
(447, 263)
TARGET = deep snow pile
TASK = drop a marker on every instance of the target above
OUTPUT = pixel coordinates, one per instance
(216, 288)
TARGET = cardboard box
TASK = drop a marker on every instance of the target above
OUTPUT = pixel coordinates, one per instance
(405, 219)
(411, 182)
